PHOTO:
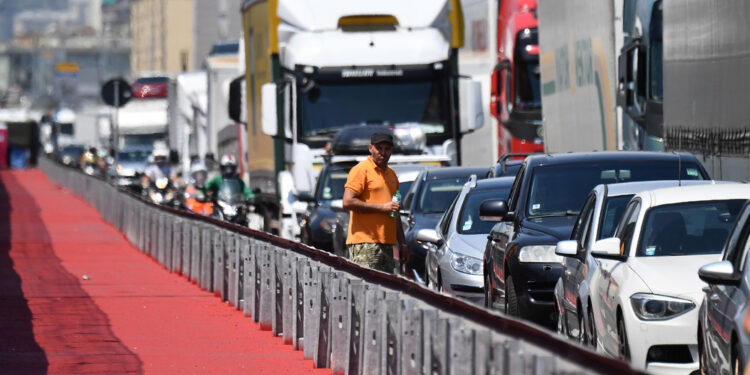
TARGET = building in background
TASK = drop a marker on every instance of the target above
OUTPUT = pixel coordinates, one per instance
(173, 36)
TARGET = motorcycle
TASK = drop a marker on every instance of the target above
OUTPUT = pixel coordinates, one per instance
(232, 204)
(162, 192)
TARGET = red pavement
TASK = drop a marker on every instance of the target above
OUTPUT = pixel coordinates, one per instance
(76, 297)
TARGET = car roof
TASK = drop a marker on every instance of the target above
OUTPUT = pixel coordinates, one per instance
(448, 172)
(696, 193)
(584, 157)
(494, 183)
(628, 188)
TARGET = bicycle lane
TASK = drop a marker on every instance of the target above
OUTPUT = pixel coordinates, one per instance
(89, 302)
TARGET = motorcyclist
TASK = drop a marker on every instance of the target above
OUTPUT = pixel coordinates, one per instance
(159, 168)
(195, 195)
(228, 167)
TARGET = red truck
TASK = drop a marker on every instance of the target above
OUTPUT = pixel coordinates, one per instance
(516, 99)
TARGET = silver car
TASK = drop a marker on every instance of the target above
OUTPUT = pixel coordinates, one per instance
(723, 344)
(455, 247)
(599, 216)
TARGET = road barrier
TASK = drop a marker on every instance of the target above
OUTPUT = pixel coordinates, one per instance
(349, 318)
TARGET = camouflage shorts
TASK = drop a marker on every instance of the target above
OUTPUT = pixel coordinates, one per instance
(374, 255)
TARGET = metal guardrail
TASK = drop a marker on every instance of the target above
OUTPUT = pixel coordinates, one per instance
(349, 318)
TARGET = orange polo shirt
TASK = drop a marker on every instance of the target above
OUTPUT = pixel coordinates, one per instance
(372, 185)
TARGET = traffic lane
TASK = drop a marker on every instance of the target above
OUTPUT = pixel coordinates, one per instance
(163, 321)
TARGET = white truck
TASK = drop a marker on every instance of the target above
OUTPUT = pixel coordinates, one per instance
(313, 67)
(141, 122)
(647, 75)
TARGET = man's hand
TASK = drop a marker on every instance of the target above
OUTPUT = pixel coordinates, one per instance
(391, 207)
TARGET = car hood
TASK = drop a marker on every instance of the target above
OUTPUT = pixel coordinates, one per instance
(558, 227)
(469, 244)
(675, 276)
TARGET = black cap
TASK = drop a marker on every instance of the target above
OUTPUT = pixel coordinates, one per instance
(381, 137)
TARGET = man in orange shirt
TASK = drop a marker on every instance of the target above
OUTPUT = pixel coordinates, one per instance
(370, 188)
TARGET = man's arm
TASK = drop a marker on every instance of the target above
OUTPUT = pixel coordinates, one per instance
(352, 203)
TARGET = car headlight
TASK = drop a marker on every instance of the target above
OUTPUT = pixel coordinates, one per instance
(228, 210)
(466, 264)
(168, 196)
(539, 254)
(655, 307)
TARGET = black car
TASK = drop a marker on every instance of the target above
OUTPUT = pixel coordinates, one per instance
(424, 204)
(521, 267)
(319, 220)
(507, 165)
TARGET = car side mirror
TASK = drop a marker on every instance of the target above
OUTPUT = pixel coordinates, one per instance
(567, 248)
(493, 210)
(607, 248)
(429, 235)
(721, 273)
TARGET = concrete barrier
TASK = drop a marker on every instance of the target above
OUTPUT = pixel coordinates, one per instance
(351, 319)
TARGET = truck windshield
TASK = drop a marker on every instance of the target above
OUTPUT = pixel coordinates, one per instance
(328, 106)
(559, 190)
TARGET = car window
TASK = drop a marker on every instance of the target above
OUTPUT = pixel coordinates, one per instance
(688, 228)
(558, 190)
(611, 215)
(437, 195)
(447, 217)
(627, 227)
(515, 190)
(409, 197)
(578, 227)
(332, 183)
(738, 235)
(469, 222)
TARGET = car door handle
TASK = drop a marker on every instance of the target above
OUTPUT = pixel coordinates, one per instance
(714, 298)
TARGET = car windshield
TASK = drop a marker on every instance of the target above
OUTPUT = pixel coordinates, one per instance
(231, 191)
(690, 228)
(330, 106)
(613, 209)
(332, 186)
(469, 222)
(437, 195)
(559, 190)
(134, 156)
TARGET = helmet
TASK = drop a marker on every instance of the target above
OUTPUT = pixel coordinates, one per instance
(160, 155)
(198, 175)
(228, 165)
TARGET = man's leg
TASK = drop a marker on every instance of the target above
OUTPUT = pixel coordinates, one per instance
(373, 255)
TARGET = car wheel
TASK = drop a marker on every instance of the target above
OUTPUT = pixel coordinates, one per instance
(736, 359)
(561, 329)
(622, 336)
(511, 299)
(489, 301)
(583, 338)
(701, 354)
(592, 327)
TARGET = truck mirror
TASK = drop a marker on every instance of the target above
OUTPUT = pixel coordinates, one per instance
(470, 99)
(269, 117)
(302, 169)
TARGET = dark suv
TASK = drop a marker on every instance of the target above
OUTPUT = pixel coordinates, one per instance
(521, 267)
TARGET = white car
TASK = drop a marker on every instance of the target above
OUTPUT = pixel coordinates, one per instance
(646, 289)
(598, 219)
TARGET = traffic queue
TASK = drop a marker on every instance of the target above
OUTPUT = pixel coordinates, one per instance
(638, 255)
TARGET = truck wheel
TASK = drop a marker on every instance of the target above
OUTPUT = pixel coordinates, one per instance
(511, 299)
